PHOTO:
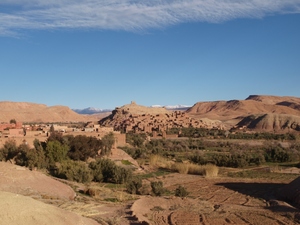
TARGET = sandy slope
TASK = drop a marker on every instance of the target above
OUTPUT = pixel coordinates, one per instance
(21, 180)
(16, 209)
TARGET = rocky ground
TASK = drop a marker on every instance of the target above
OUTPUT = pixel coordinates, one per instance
(217, 201)
(31, 197)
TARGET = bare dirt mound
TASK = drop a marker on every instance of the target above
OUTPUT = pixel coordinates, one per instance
(21, 210)
(21, 180)
(32, 112)
(271, 122)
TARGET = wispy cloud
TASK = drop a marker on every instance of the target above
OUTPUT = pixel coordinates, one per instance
(131, 15)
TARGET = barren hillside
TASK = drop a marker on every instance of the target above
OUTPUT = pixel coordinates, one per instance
(271, 122)
(234, 111)
(273, 100)
(32, 112)
(22, 210)
(220, 114)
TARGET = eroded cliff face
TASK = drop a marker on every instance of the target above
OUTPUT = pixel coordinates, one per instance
(271, 122)
(257, 112)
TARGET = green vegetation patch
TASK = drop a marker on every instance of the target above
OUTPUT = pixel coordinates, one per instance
(126, 162)
(262, 174)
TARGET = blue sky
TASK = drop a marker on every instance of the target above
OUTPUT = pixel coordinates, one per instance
(104, 54)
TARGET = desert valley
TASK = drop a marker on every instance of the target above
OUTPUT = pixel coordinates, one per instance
(219, 162)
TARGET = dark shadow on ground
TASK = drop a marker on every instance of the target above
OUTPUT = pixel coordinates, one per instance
(265, 191)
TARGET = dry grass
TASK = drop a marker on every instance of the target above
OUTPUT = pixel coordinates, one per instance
(211, 170)
(182, 168)
(107, 194)
(208, 170)
(160, 162)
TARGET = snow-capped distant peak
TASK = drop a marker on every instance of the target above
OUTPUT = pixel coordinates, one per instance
(156, 106)
(91, 110)
(172, 107)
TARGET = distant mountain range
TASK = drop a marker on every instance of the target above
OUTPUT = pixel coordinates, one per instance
(91, 110)
(255, 113)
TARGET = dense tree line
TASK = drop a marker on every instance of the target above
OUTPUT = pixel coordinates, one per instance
(66, 157)
(220, 152)
(192, 132)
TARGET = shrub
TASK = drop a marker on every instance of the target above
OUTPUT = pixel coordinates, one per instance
(102, 169)
(182, 168)
(107, 171)
(181, 192)
(157, 188)
(276, 153)
(136, 140)
(159, 161)
(208, 170)
(134, 185)
(74, 171)
(9, 150)
(121, 175)
(196, 169)
(211, 170)
(198, 159)
(134, 152)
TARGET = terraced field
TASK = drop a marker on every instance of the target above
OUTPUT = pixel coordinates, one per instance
(217, 201)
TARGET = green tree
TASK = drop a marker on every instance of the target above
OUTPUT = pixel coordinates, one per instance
(51, 129)
(108, 141)
(105, 170)
(21, 157)
(121, 175)
(82, 147)
(102, 170)
(57, 136)
(136, 140)
(56, 152)
(9, 150)
(13, 121)
(74, 171)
